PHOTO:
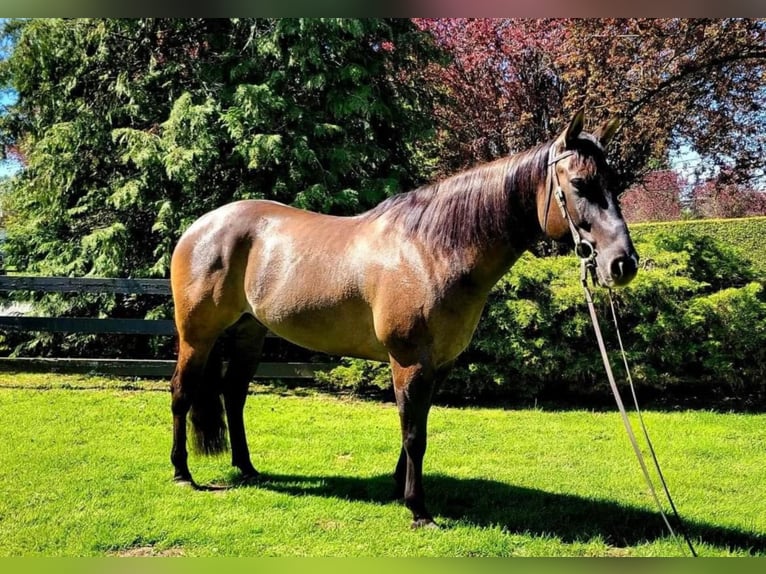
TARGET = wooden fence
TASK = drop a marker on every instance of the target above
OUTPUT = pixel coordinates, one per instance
(118, 367)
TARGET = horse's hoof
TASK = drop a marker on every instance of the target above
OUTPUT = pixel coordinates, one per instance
(183, 481)
(424, 523)
(250, 477)
(246, 470)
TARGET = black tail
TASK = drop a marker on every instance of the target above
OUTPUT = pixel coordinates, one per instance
(208, 424)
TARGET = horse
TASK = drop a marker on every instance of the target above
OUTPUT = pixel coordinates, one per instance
(405, 283)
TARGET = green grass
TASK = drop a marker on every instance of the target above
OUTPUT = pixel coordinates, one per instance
(84, 471)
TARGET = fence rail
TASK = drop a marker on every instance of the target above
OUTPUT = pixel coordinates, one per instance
(88, 325)
(117, 367)
(85, 285)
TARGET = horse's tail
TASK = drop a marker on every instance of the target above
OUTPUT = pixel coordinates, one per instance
(208, 424)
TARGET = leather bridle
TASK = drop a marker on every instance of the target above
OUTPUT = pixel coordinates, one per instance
(583, 248)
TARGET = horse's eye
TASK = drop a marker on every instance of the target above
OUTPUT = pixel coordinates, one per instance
(588, 189)
(579, 184)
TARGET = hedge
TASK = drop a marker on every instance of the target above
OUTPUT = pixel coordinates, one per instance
(693, 323)
(746, 235)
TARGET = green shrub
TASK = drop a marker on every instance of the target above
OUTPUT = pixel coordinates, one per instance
(744, 235)
(357, 376)
(693, 324)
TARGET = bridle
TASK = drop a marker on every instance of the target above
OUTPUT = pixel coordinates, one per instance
(587, 254)
(583, 249)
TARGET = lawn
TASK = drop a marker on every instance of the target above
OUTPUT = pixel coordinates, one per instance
(85, 471)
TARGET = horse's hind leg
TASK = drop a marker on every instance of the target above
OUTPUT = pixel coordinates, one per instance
(187, 379)
(244, 342)
(196, 385)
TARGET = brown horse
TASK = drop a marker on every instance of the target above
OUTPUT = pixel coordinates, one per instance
(405, 282)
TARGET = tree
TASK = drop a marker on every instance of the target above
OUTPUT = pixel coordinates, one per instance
(132, 128)
(657, 197)
(671, 82)
(501, 93)
(721, 197)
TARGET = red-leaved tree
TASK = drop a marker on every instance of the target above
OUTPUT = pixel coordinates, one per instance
(502, 94)
(722, 198)
(513, 82)
(657, 197)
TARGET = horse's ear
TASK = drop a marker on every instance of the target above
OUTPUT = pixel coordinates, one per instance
(573, 130)
(605, 131)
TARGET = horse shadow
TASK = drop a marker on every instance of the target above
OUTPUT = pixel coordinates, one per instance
(516, 509)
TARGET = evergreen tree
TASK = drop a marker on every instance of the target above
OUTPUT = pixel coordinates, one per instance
(130, 129)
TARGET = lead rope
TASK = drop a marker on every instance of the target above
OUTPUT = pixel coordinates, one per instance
(643, 427)
(589, 264)
(587, 255)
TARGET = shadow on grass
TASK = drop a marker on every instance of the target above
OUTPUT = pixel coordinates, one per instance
(521, 510)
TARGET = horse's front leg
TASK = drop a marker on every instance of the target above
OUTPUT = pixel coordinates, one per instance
(413, 387)
(400, 473)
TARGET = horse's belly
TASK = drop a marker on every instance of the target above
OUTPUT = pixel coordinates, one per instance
(345, 330)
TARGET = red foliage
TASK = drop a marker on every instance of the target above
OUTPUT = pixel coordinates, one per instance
(515, 82)
(13, 153)
(722, 199)
(657, 197)
(499, 85)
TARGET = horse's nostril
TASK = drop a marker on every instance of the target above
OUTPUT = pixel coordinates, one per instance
(623, 269)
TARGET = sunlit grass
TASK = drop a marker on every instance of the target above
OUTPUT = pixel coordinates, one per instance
(85, 471)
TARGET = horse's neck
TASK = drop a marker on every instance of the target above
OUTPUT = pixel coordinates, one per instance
(525, 181)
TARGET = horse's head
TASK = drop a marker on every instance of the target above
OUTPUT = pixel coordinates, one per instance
(578, 167)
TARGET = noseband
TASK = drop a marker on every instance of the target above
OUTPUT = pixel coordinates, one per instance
(583, 248)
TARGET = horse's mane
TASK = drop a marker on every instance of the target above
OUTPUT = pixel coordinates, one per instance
(471, 207)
